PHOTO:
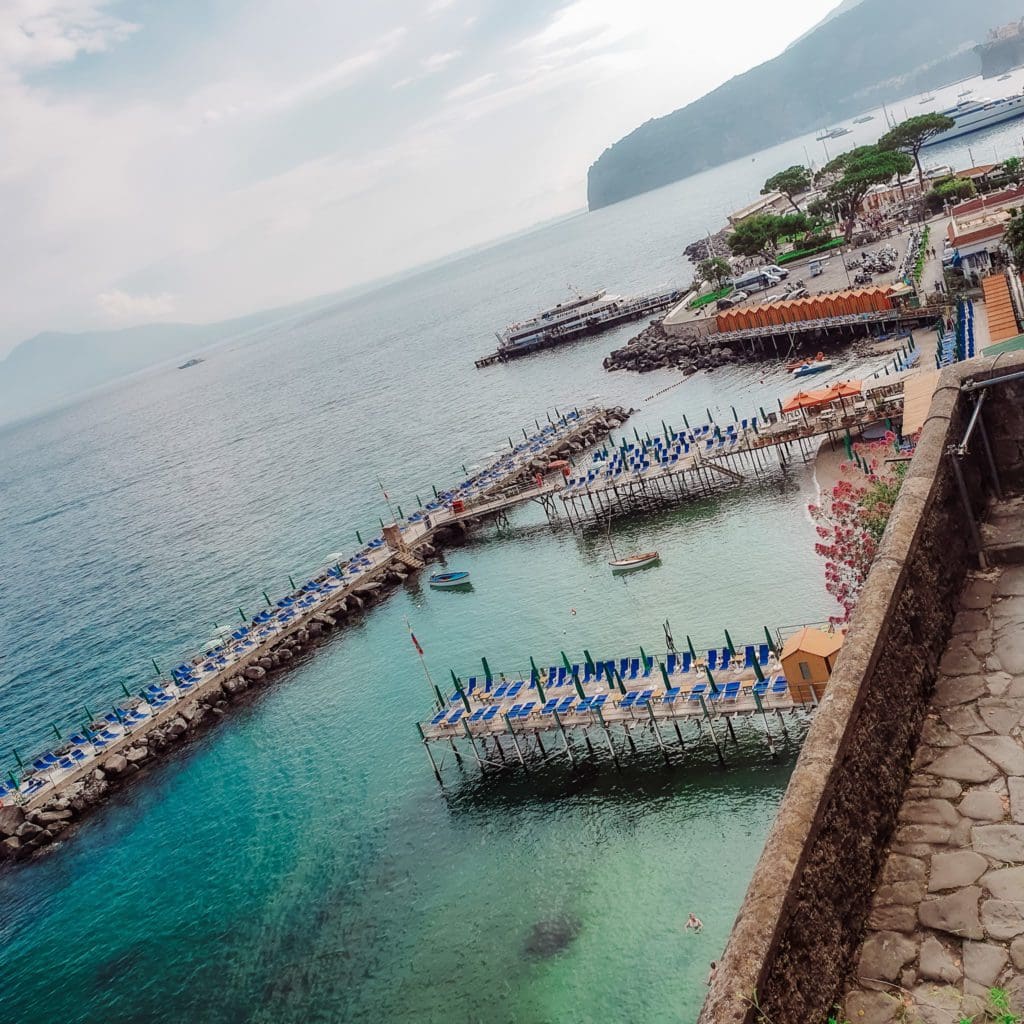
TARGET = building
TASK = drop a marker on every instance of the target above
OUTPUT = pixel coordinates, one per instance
(974, 238)
(774, 203)
(808, 658)
(982, 174)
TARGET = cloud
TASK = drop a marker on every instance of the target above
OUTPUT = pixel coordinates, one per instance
(119, 305)
(439, 61)
(42, 33)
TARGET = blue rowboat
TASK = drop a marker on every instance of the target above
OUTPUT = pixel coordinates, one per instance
(449, 579)
(818, 366)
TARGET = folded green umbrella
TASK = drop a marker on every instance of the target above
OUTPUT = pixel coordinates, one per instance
(728, 643)
(771, 642)
(689, 643)
(664, 675)
(618, 679)
(590, 660)
(711, 679)
(757, 670)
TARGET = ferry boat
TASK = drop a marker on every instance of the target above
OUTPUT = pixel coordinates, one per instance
(974, 115)
(864, 119)
(580, 316)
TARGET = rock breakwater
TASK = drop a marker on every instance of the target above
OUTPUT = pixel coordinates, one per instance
(654, 349)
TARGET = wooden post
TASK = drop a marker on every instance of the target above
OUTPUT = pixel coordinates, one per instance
(426, 747)
(608, 737)
(515, 742)
(711, 725)
(657, 732)
(565, 738)
(767, 728)
(472, 743)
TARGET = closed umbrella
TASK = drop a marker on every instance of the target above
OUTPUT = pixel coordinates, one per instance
(711, 679)
(664, 676)
(729, 644)
(771, 642)
(757, 671)
(618, 680)
(689, 643)
(590, 660)
(487, 670)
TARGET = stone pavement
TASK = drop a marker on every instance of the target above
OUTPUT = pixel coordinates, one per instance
(947, 920)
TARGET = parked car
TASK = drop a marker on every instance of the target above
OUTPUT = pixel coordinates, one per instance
(732, 300)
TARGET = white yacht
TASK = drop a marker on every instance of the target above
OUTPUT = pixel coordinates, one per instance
(974, 115)
(565, 318)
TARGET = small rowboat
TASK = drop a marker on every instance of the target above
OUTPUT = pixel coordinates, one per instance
(640, 561)
(449, 579)
(818, 366)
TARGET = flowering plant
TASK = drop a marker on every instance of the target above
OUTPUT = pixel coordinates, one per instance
(852, 517)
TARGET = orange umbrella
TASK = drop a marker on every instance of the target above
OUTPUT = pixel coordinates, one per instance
(805, 400)
(843, 389)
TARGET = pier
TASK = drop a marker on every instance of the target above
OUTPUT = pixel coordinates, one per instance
(123, 738)
(617, 708)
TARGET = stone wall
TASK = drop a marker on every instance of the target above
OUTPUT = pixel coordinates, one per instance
(805, 909)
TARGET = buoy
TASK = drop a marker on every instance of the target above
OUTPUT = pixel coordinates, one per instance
(572, 611)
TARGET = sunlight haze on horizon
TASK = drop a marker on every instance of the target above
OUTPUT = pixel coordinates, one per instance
(202, 160)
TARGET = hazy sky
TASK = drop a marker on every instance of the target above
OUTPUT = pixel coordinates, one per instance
(197, 159)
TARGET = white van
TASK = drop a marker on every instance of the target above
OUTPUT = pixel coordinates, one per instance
(755, 281)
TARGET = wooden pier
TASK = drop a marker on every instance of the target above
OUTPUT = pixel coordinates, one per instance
(335, 590)
(671, 705)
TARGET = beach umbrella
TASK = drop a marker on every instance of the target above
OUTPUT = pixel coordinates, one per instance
(155, 665)
(533, 665)
(535, 678)
(664, 675)
(53, 726)
(440, 699)
(686, 422)
(245, 617)
(771, 642)
(757, 671)
(487, 670)
(729, 643)
(433, 488)
(292, 582)
(270, 604)
(566, 662)
(711, 419)
(17, 757)
(689, 644)
(589, 659)
(637, 432)
(466, 471)
(764, 415)
(13, 778)
(618, 680)
(735, 418)
(127, 692)
(419, 501)
(643, 659)
(711, 679)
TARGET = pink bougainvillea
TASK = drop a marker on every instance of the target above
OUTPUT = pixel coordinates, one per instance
(851, 519)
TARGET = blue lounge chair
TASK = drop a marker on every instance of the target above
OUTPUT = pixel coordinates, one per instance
(698, 691)
(514, 689)
(549, 706)
(687, 663)
(598, 702)
(527, 709)
(648, 665)
(671, 664)
(455, 716)
(713, 659)
(490, 713)
(760, 687)
(513, 712)
(439, 717)
(763, 654)
(584, 705)
(634, 668)
(565, 704)
(779, 686)
(671, 695)
(588, 674)
(501, 690)
(629, 699)
(725, 658)
(748, 656)
(477, 715)
(642, 699)
(623, 666)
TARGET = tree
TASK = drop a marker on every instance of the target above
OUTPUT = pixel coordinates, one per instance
(791, 182)
(911, 135)
(759, 235)
(1014, 169)
(714, 270)
(860, 170)
(1013, 238)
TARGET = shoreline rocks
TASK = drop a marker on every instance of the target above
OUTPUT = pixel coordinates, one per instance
(654, 349)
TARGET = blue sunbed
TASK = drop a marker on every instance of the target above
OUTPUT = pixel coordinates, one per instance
(490, 713)
(671, 695)
(549, 706)
(670, 664)
(687, 663)
(763, 654)
(455, 716)
(439, 717)
(698, 691)
(565, 704)
(713, 659)
(629, 699)
(598, 702)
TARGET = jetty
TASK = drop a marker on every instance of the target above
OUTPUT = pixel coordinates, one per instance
(622, 312)
(106, 747)
(617, 707)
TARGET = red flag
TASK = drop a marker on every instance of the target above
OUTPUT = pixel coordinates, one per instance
(416, 643)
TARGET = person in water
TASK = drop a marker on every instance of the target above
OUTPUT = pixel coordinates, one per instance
(712, 972)
(695, 923)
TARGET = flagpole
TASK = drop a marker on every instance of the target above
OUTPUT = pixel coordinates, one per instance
(387, 498)
(434, 691)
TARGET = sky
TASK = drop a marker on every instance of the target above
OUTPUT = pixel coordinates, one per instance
(192, 160)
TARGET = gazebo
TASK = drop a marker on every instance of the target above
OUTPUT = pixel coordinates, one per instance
(807, 658)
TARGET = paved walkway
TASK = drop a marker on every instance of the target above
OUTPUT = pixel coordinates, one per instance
(947, 922)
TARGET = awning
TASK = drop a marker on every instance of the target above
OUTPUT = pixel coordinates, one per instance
(806, 400)
(917, 400)
(1010, 345)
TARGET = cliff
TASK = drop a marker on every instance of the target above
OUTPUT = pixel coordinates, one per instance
(874, 52)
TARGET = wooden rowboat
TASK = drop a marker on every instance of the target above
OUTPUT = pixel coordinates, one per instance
(449, 579)
(639, 561)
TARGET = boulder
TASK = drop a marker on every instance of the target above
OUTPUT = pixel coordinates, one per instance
(12, 848)
(47, 818)
(115, 765)
(254, 673)
(11, 819)
(27, 829)
(236, 685)
(137, 754)
(176, 728)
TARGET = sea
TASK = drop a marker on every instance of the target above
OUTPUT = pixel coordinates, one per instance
(300, 862)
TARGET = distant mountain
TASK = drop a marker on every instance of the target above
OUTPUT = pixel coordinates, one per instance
(846, 5)
(874, 52)
(53, 367)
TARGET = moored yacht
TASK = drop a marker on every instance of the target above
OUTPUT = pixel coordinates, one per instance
(974, 115)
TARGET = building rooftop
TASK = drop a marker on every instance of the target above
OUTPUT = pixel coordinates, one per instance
(813, 641)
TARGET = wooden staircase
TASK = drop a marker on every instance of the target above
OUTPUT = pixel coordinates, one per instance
(408, 559)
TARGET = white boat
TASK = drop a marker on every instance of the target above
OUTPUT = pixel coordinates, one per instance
(639, 561)
(928, 99)
(566, 317)
(1005, 78)
(443, 580)
(974, 115)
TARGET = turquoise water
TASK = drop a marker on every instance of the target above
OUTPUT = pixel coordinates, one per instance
(299, 862)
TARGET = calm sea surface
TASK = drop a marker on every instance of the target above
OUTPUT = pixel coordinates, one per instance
(300, 863)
